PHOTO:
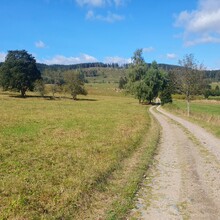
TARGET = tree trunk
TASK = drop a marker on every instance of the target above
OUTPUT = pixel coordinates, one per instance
(188, 106)
(23, 91)
(74, 96)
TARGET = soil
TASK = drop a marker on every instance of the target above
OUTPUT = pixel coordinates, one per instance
(184, 181)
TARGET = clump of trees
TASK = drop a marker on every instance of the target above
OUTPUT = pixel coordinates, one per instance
(19, 72)
(147, 83)
(209, 91)
(75, 81)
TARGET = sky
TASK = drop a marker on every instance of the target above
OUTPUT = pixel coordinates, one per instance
(109, 31)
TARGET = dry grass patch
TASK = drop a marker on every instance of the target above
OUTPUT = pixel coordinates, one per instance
(54, 154)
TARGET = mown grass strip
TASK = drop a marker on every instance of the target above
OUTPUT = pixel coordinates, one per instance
(139, 164)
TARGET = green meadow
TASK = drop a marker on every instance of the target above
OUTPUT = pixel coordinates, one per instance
(55, 155)
(204, 112)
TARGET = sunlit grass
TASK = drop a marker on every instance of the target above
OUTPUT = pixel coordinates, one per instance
(204, 112)
(53, 153)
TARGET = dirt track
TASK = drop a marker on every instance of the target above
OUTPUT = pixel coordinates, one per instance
(184, 181)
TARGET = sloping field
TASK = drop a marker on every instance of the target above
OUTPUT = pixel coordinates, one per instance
(55, 153)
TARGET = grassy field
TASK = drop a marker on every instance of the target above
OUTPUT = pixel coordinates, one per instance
(55, 154)
(106, 75)
(204, 112)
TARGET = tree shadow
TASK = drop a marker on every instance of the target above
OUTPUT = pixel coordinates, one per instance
(88, 100)
(30, 96)
(49, 97)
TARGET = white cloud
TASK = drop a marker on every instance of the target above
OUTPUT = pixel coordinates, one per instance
(40, 44)
(116, 59)
(110, 17)
(60, 59)
(148, 49)
(94, 3)
(171, 56)
(100, 3)
(201, 25)
(2, 56)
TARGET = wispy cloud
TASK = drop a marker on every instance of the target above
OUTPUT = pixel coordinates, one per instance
(2, 56)
(60, 59)
(171, 56)
(148, 49)
(106, 7)
(100, 3)
(40, 44)
(116, 59)
(201, 25)
(110, 17)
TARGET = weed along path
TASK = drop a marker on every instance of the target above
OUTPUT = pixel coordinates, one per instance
(184, 181)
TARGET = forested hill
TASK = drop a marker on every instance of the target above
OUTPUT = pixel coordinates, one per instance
(214, 75)
(55, 67)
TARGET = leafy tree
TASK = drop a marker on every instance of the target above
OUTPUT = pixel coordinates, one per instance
(190, 78)
(143, 82)
(19, 71)
(122, 82)
(207, 93)
(217, 90)
(155, 81)
(137, 71)
(39, 87)
(168, 88)
(75, 83)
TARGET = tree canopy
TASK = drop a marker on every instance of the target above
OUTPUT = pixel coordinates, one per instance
(75, 83)
(143, 82)
(190, 79)
(19, 71)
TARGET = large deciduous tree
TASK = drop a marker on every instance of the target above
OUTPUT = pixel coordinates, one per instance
(137, 71)
(19, 71)
(143, 82)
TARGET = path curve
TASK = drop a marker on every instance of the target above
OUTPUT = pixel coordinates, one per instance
(184, 181)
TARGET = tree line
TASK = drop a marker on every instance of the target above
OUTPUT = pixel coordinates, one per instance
(145, 81)
(19, 72)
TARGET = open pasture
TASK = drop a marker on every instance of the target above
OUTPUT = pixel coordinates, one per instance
(55, 153)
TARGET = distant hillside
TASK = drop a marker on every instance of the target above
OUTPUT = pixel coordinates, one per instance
(55, 67)
(101, 72)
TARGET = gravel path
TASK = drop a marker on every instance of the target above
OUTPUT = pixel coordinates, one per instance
(184, 181)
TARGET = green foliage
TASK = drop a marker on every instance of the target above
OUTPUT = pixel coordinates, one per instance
(145, 84)
(122, 82)
(75, 83)
(39, 87)
(155, 80)
(166, 96)
(190, 78)
(137, 71)
(212, 92)
(168, 88)
(19, 71)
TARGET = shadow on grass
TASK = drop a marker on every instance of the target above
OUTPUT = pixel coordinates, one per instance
(48, 97)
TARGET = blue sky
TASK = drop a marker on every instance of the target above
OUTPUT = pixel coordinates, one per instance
(77, 31)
